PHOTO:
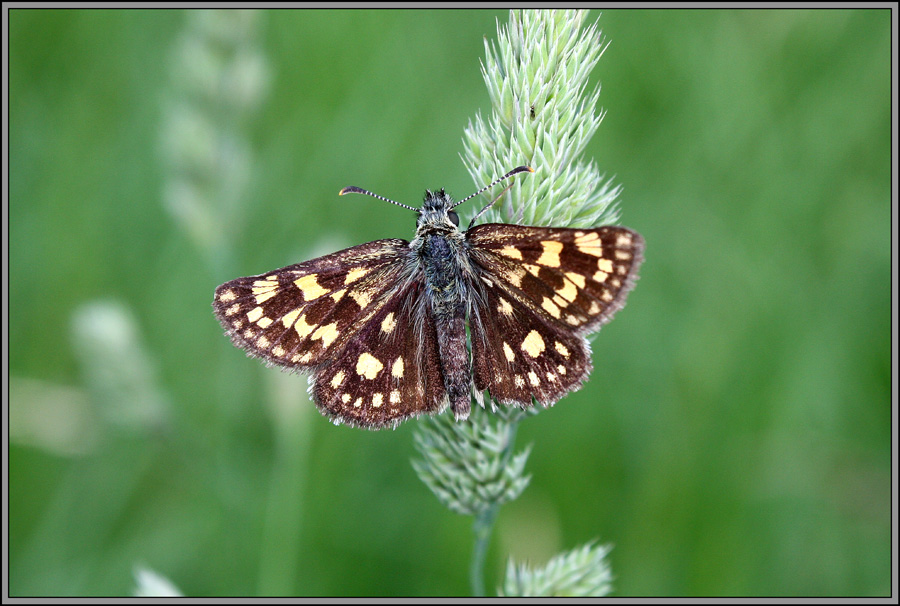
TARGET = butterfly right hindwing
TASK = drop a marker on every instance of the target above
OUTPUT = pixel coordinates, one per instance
(540, 290)
(519, 355)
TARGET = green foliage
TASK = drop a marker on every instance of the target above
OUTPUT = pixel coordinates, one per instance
(578, 573)
(537, 75)
(544, 57)
(470, 466)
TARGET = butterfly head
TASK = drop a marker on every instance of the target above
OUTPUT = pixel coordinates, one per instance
(437, 212)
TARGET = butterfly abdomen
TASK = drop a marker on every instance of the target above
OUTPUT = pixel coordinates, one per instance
(442, 259)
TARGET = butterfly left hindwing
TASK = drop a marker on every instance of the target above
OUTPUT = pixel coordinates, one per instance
(390, 371)
(355, 319)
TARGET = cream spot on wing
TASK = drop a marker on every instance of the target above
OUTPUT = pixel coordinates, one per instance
(345, 397)
(623, 239)
(514, 275)
(511, 252)
(533, 379)
(233, 309)
(550, 307)
(309, 286)
(605, 265)
(561, 369)
(338, 295)
(264, 322)
(560, 301)
(227, 296)
(263, 290)
(520, 382)
(303, 329)
(263, 343)
(576, 279)
(508, 352)
(337, 379)
(377, 400)
(505, 308)
(255, 314)
(362, 297)
(551, 377)
(600, 276)
(589, 244)
(623, 255)
(562, 349)
(533, 344)
(357, 403)
(289, 318)
(388, 324)
(616, 283)
(569, 291)
(355, 274)
(266, 284)
(550, 254)
(278, 351)
(249, 334)
(573, 320)
(263, 297)
(397, 369)
(394, 397)
(238, 324)
(301, 359)
(368, 365)
(327, 333)
(595, 308)
(534, 270)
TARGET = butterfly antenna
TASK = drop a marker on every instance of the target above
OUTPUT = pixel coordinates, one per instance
(488, 205)
(358, 190)
(515, 171)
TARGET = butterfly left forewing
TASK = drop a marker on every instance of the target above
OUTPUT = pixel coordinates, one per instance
(301, 315)
(540, 290)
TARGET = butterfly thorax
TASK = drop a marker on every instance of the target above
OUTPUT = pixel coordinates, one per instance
(440, 248)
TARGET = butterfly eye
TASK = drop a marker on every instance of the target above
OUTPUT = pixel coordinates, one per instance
(454, 218)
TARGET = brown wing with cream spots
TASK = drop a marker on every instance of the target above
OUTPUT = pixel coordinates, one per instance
(541, 289)
(389, 371)
(301, 315)
(519, 355)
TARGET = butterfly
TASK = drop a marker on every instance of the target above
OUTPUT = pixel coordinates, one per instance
(382, 327)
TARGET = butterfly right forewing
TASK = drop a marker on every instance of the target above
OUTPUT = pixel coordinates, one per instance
(541, 289)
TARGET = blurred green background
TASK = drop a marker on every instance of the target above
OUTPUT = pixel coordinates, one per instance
(735, 435)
